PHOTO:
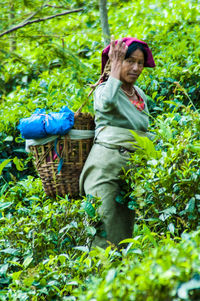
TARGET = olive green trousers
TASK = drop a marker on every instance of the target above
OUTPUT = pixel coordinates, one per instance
(100, 177)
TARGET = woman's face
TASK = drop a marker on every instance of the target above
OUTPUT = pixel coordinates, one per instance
(132, 67)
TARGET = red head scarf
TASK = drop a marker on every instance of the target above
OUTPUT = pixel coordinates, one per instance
(128, 41)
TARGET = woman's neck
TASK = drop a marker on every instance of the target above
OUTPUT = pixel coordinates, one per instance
(127, 87)
(129, 91)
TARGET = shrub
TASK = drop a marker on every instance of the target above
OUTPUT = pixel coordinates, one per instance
(163, 184)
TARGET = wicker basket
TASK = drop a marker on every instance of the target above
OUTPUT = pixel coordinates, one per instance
(74, 154)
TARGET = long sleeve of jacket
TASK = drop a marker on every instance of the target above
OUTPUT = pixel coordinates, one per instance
(106, 95)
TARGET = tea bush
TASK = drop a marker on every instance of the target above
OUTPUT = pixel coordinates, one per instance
(45, 254)
(169, 271)
(35, 229)
(164, 185)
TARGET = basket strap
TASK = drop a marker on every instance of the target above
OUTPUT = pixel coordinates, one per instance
(60, 159)
(93, 87)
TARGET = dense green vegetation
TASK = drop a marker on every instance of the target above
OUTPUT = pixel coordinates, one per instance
(44, 243)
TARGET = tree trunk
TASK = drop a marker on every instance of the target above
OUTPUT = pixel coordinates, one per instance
(13, 43)
(104, 21)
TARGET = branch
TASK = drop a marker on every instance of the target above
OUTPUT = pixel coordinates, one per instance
(34, 13)
(39, 20)
(37, 36)
(54, 6)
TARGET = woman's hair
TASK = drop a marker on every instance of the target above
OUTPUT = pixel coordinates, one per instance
(134, 46)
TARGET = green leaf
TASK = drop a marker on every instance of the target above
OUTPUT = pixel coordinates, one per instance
(190, 205)
(18, 163)
(194, 147)
(120, 199)
(3, 164)
(165, 130)
(145, 145)
(11, 251)
(82, 248)
(62, 258)
(112, 273)
(132, 205)
(185, 288)
(130, 240)
(136, 251)
(167, 213)
(53, 283)
(27, 261)
(91, 231)
(5, 205)
(9, 139)
(171, 228)
(3, 188)
(43, 282)
(89, 209)
(16, 275)
(28, 281)
(3, 268)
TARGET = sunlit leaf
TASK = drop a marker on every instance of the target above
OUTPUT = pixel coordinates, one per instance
(3, 164)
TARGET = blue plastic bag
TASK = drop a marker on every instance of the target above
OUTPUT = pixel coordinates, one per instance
(40, 125)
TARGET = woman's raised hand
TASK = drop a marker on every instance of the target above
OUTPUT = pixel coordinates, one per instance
(117, 51)
(116, 55)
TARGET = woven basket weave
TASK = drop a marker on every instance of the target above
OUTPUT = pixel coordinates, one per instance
(74, 154)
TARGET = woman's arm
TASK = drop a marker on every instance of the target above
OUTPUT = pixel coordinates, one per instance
(105, 95)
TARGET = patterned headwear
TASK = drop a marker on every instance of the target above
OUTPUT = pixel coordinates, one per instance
(128, 41)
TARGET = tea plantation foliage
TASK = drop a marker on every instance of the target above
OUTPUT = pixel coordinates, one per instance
(44, 243)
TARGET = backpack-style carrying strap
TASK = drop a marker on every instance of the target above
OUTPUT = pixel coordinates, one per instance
(81, 107)
(93, 87)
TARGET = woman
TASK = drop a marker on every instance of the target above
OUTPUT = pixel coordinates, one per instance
(120, 106)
